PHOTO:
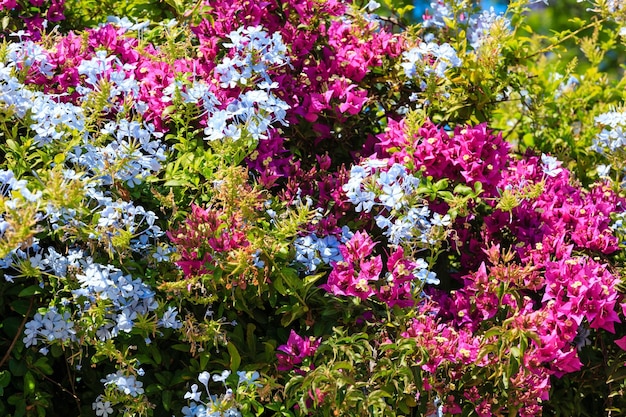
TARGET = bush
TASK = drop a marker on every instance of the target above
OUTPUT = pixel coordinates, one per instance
(307, 208)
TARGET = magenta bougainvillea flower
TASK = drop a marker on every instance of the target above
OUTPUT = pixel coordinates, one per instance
(295, 351)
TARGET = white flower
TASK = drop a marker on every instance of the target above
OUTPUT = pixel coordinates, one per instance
(550, 165)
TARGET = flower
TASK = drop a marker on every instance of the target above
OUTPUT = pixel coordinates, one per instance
(193, 395)
(221, 377)
(102, 408)
(295, 351)
(204, 378)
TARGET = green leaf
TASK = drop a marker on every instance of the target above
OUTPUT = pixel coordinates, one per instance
(5, 378)
(278, 284)
(10, 326)
(156, 354)
(30, 291)
(463, 190)
(59, 158)
(181, 347)
(235, 358)
(43, 365)
(17, 368)
(29, 383)
(166, 399)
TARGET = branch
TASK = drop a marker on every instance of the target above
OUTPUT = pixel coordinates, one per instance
(17, 335)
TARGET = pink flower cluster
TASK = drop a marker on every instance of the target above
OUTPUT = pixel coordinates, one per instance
(353, 275)
(326, 84)
(296, 351)
(360, 274)
(467, 155)
(541, 279)
(207, 236)
(36, 15)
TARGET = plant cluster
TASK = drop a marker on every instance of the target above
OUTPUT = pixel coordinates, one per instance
(310, 208)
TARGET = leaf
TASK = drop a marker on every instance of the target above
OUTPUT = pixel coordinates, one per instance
(166, 399)
(29, 383)
(463, 190)
(5, 378)
(250, 339)
(30, 291)
(10, 325)
(43, 365)
(235, 358)
(278, 284)
(181, 347)
(156, 354)
(17, 368)
(59, 158)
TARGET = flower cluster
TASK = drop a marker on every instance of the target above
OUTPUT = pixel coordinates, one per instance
(49, 327)
(224, 405)
(429, 58)
(338, 191)
(295, 351)
(35, 16)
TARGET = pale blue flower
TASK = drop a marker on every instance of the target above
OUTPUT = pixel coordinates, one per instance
(221, 377)
(204, 378)
(193, 395)
(550, 165)
(169, 319)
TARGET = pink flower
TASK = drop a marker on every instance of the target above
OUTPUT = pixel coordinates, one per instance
(295, 351)
(8, 4)
(621, 342)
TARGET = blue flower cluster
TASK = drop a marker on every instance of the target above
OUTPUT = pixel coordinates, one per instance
(482, 24)
(47, 327)
(312, 251)
(253, 53)
(611, 142)
(123, 297)
(128, 384)
(218, 406)
(50, 118)
(401, 214)
(429, 58)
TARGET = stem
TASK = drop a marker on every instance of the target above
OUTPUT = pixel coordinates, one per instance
(569, 36)
(17, 334)
(46, 377)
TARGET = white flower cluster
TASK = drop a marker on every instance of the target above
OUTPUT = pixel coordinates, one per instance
(481, 25)
(217, 406)
(429, 58)
(49, 117)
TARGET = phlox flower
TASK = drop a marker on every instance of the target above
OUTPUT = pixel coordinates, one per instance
(437, 13)
(221, 377)
(204, 378)
(248, 377)
(480, 26)
(169, 319)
